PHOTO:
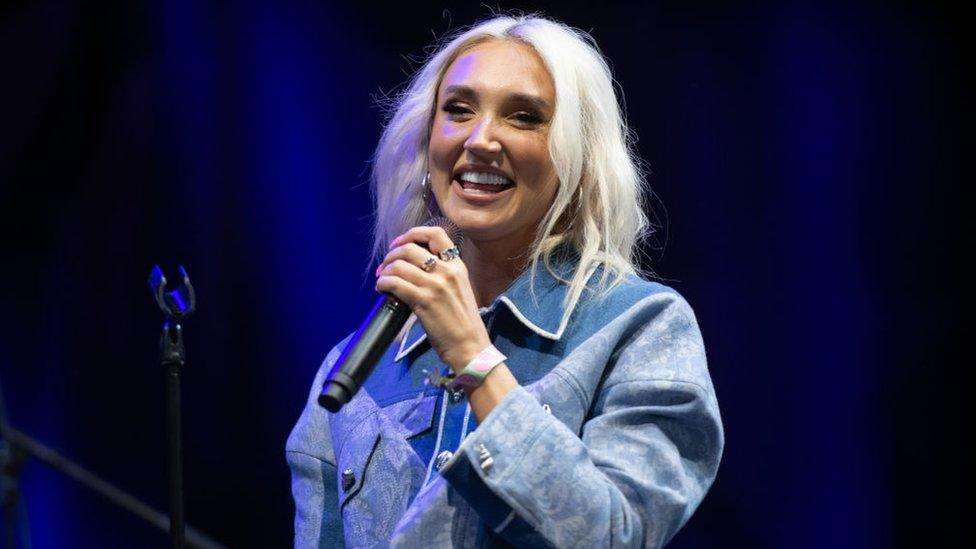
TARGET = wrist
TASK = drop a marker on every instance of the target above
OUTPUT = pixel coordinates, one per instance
(485, 397)
(477, 370)
(464, 354)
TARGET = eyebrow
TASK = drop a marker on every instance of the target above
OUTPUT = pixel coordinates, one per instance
(467, 91)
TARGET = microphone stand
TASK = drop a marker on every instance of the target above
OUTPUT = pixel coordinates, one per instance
(176, 305)
(16, 446)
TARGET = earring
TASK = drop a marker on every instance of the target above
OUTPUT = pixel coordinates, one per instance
(427, 195)
(425, 189)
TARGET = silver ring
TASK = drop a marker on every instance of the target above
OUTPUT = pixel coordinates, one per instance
(429, 264)
(449, 254)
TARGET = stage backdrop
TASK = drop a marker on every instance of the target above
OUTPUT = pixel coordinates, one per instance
(805, 161)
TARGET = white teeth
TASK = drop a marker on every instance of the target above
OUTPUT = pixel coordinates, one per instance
(484, 178)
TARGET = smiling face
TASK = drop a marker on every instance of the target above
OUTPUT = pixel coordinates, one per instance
(489, 161)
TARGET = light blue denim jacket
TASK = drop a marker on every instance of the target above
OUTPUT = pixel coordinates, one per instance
(612, 438)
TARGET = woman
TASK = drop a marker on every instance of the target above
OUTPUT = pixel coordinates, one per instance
(544, 394)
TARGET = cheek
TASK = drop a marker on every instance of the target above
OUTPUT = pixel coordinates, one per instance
(545, 199)
(445, 141)
(443, 131)
(547, 184)
(539, 170)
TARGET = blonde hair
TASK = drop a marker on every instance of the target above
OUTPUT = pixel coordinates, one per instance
(598, 212)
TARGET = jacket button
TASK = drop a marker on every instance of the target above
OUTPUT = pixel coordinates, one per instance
(487, 464)
(443, 458)
(348, 479)
(546, 408)
(484, 456)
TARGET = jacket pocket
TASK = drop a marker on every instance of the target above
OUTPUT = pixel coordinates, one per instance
(353, 457)
(383, 428)
(377, 472)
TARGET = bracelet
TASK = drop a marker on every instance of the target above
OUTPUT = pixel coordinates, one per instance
(477, 370)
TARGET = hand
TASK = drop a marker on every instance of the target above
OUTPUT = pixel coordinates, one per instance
(442, 298)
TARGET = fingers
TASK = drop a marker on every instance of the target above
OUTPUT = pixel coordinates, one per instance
(417, 245)
(405, 269)
(407, 292)
(409, 252)
(434, 238)
(401, 272)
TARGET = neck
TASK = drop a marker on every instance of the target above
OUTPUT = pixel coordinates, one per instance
(491, 269)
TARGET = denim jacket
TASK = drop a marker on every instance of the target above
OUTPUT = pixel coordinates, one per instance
(612, 438)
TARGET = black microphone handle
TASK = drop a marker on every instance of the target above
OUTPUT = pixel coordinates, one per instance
(363, 351)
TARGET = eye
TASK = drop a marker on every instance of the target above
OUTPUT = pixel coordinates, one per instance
(456, 109)
(528, 118)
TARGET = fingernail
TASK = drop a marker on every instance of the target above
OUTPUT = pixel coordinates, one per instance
(378, 269)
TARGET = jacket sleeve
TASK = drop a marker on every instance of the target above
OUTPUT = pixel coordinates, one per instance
(313, 471)
(645, 457)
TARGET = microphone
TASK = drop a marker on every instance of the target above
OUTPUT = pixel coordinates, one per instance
(372, 339)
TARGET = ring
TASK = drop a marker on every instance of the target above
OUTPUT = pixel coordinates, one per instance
(429, 264)
(449, 254)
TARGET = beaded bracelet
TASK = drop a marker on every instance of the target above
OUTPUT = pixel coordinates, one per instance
(477, 370)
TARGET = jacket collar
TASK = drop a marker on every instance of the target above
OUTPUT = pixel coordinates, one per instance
(536, 301)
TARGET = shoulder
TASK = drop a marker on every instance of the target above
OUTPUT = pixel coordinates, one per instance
(653, 331)
(634, 300)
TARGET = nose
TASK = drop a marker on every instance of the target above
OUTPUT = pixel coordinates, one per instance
(482, 140)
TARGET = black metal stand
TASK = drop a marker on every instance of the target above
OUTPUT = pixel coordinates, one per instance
(172, 337)
(177, 305)
(16, 446)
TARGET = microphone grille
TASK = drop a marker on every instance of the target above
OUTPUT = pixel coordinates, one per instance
(452, 230)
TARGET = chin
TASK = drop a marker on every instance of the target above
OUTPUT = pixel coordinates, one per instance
(472, 223)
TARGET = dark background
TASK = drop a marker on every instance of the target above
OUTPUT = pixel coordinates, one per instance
(808, 162)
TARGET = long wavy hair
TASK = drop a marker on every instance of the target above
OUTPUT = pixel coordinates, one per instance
(598, 212)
